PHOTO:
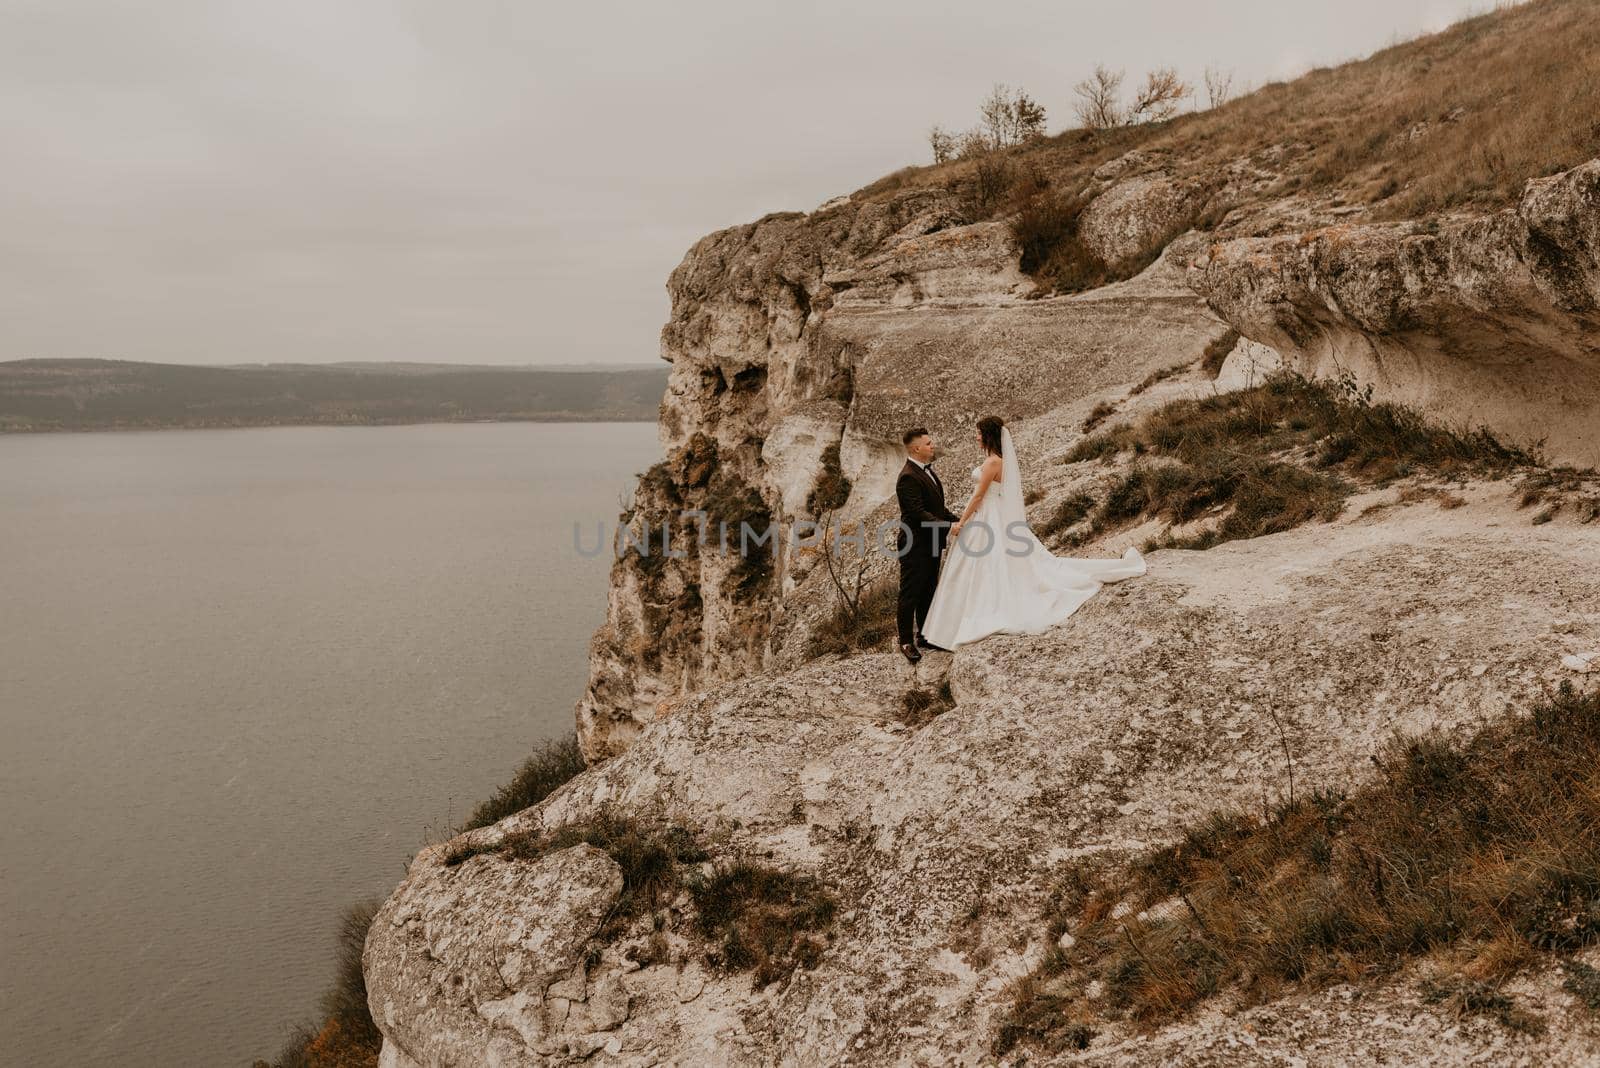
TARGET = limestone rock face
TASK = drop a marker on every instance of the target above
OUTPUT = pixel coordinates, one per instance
(1247, 364)
(1156, 703)
(481, 962)
(1138, 214)
(1491, 320)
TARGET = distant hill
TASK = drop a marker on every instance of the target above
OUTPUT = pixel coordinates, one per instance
(40, 395)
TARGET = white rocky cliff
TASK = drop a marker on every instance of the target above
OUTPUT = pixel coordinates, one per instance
(1421, 607)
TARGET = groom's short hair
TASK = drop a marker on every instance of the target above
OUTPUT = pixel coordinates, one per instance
(913, 434)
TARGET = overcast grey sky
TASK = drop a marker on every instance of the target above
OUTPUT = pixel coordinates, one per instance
(482, 181)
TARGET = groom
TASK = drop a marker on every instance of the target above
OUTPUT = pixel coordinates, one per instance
(923, 511)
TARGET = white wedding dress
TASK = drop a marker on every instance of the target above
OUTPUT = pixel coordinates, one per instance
(999, 579)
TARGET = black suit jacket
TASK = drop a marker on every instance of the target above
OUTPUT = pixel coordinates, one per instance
(921, 501)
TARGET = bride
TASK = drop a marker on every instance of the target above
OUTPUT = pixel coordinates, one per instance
(998, 577)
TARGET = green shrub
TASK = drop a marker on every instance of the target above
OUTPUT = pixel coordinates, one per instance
(552, 764)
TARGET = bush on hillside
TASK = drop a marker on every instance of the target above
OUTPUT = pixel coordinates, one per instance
(552, 764)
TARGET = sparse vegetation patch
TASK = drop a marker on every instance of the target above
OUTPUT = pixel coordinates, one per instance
(1485, 856)
(762, 919)
(647, 853)
(1099, 414)
(865, 626)
(1263, 460)
(920, 706)
(1075, 509)
(753, 916)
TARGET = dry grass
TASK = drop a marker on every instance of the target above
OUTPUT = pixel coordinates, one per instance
(1075, 509)
(1485, 856)
(1050, 1023)
(921, 707)
(1457, 119)
(1100, 413)
(1255, 496)
(1264, 460)
(1216, 353)
(1454, 120)
(1562, 489)
(1067, 158)
(761, 919)
(1160, 374)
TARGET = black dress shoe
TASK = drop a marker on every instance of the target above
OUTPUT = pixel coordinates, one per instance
(910, 653)
(923, 643)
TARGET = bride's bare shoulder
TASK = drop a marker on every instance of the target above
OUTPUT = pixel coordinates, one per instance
(991, 466)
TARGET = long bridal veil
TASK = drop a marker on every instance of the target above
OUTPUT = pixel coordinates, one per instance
(1012, 509)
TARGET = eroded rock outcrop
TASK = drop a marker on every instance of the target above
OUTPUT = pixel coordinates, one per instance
(1131, 217)
(482, 962)
(1483, 321)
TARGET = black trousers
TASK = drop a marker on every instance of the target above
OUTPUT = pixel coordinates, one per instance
(919, 576)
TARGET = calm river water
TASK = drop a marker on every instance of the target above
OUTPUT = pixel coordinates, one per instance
(243, 675)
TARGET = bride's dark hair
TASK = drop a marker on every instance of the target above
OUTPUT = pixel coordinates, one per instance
(989, 432)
